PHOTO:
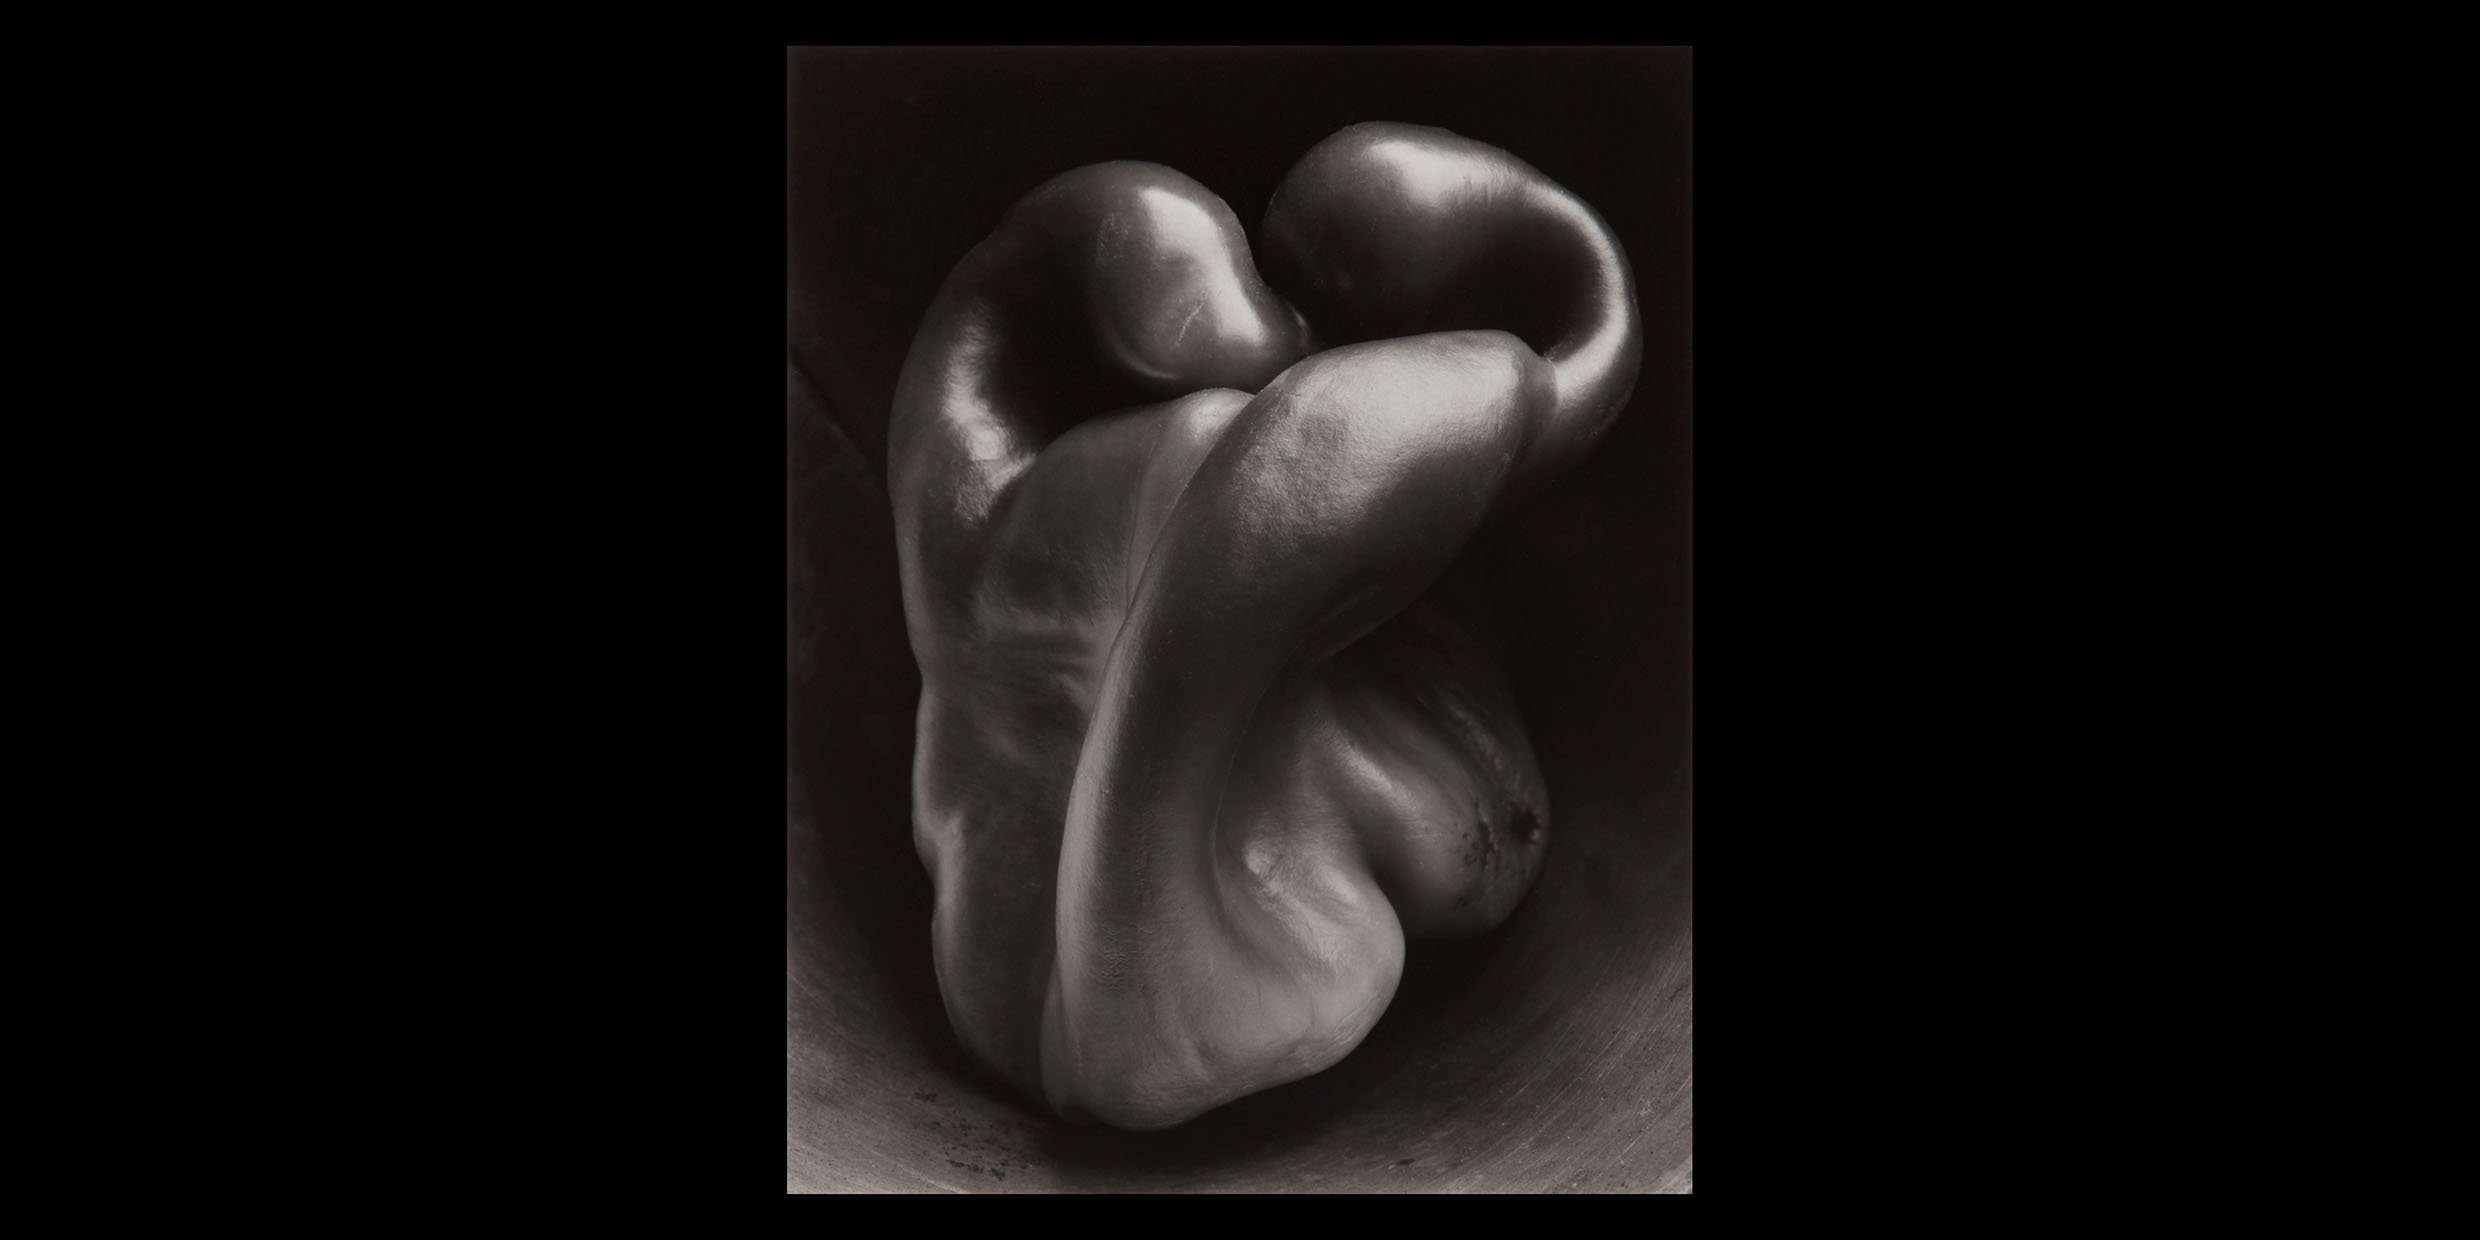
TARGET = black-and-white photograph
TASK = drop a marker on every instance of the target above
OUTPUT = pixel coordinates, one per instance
(1239, 600)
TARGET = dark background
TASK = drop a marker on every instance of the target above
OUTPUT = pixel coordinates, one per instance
(897, 163)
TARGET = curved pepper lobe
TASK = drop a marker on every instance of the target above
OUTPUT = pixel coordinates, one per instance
(1170, 292)
(1393, 230)
(1103, 288)
(1006, 697)
(1415, 732)
(1223, 925)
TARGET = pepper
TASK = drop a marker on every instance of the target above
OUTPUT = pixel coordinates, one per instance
(1202, 738)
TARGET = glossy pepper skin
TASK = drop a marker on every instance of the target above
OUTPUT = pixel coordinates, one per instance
(1202, 740)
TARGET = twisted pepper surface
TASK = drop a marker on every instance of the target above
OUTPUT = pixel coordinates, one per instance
(1199, 744)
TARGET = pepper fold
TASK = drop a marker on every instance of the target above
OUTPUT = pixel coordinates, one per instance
(1201, 740)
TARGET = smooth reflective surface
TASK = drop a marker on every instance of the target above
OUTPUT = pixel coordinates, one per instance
(1554, 1054)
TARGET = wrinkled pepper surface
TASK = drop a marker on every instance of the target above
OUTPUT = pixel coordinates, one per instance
(1199, 744)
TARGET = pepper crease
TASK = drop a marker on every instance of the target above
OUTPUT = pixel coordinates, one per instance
(1202, 741)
